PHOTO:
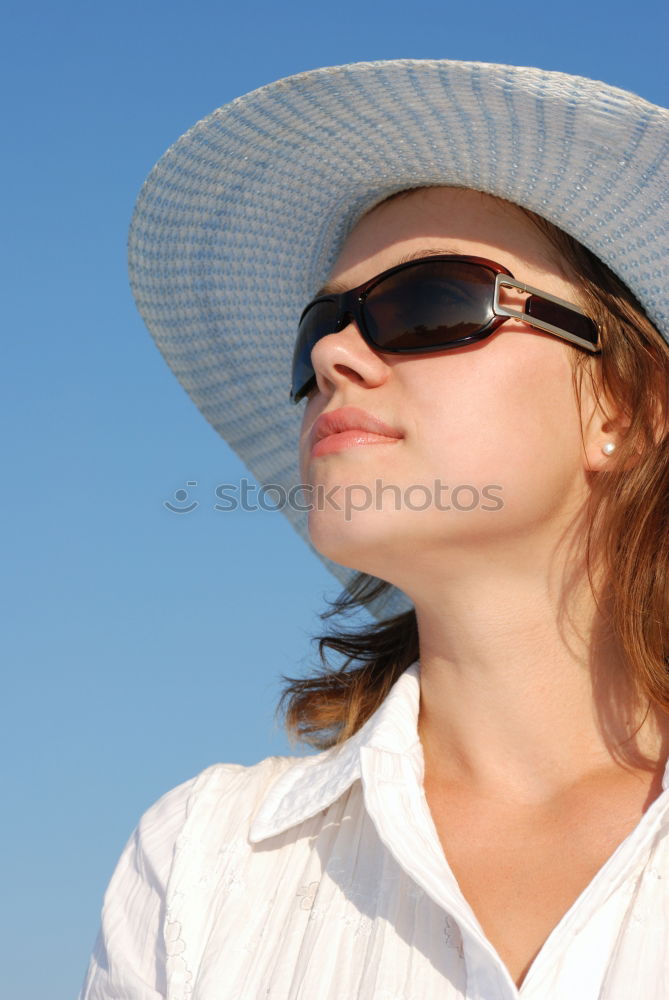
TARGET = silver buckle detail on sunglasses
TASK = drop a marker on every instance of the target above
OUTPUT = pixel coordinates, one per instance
(503, 280)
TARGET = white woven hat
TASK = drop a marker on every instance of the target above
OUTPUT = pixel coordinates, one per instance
(241, 220)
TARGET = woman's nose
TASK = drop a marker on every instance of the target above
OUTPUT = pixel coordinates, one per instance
(344, 357)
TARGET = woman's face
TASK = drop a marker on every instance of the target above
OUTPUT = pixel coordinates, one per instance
(489, 458)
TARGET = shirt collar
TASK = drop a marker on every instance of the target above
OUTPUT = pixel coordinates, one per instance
(314, 783)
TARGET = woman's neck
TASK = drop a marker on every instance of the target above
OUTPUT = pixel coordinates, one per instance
(529, 689)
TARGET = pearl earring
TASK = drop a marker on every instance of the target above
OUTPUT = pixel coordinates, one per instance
(608, 448)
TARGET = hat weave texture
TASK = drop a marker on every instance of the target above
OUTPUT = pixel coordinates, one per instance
(241, 220)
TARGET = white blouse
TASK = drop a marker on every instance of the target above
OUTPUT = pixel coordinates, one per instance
(323, 878)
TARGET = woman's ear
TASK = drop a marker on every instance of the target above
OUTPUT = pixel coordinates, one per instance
(605, 426)
(608, 430)
(604, 442)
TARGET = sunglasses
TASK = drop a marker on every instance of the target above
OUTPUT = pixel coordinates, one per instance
(432, 304)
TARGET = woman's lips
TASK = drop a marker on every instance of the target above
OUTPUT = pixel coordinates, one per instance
(349, 439)
(349, 427)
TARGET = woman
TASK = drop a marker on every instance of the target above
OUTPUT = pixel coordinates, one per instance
(483, 429)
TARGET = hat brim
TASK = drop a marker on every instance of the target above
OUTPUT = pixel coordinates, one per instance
(243, 217)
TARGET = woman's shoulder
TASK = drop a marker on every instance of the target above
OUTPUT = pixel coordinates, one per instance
(221, 795)
(245, 785)
(168, 857)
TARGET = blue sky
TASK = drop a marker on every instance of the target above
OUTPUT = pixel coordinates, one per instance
(138, 645)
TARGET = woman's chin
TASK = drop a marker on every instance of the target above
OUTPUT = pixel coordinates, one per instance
(360, 543)
(347, 542)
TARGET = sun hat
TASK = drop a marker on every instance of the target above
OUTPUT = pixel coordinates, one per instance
(241, 220)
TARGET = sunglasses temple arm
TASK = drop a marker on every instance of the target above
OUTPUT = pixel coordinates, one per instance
(549, 313)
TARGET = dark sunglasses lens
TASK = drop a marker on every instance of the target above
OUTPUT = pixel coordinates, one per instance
(429, 305)
(318, 321)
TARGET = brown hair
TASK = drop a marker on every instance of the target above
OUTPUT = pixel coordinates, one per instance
(628, 527)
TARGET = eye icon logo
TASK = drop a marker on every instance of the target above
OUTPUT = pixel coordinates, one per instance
(181, 496)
